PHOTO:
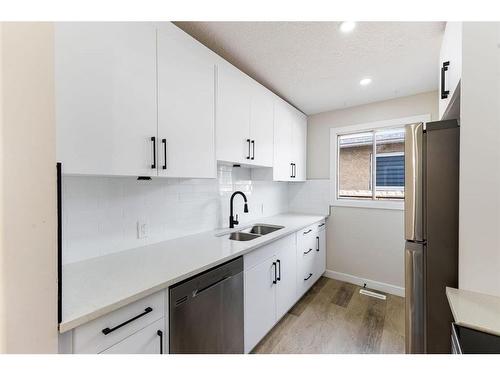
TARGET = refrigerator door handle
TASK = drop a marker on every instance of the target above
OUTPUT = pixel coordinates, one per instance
(413, 182)
(414, 298)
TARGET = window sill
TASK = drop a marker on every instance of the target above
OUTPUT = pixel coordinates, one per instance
(382, 205)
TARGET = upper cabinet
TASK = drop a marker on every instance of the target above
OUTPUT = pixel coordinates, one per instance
(450, 71)
(186, 105)
(105, 91)
(146, 99)
(290, 137)
(244, 119)
(134, 99)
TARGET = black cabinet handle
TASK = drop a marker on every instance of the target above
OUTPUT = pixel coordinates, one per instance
(294, 170)
(317, 243)
(108, 330)
(321, 225)
(308, 277)
(160, 333)
(308, 251)
(164, 141)
(279, 270)
(153, 139)
(253, 149)
(309, 231)
(275, 273)
(248, 140)
(444, 69)
(291, 165)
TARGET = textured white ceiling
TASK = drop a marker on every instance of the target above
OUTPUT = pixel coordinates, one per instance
(317, 68)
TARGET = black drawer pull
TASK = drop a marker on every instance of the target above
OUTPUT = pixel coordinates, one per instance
(153, 139)
(321, 225)
(444, 69)
(275, 274)
(164, 141)
(248, 140)
(108, 330)
(308, 251)
(291, 175)
(309, 231)
(308, 277)
(279, 270)
(317, 243)
(160, 333)
(253, 150)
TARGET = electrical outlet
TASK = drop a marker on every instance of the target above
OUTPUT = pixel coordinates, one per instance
(142, 229)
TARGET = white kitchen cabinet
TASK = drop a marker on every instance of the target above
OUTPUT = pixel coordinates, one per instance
(149, 340)
(105, 95)
(260, 301)
(245, 113)
(286, 260)
(320, 261)
(261, 126)
(290, 137)
(270, 287)
(299, 140)
(450, 71)
(233, 115)
(186, 105)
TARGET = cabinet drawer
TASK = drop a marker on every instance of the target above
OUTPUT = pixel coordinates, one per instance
(149, 340)
(306, 269)
(90, 338)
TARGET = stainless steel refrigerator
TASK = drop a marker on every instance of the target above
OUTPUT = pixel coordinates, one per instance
(431, 232)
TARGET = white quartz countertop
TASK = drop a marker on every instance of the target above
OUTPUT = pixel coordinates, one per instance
(97, 286)
(475, 310)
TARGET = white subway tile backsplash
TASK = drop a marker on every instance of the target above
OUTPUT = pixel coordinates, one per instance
(100, 214)
(310, 197)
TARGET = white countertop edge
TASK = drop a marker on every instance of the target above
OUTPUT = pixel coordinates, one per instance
(453, 294)
(69, 324)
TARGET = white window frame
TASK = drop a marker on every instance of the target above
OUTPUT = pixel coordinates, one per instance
(334, 155)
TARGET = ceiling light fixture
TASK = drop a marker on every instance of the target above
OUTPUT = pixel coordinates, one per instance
(347, 26)
(365, 81)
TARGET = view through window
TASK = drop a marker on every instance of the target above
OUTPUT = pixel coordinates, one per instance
(371, 165)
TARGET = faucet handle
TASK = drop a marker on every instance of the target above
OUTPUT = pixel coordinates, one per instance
(236, 219)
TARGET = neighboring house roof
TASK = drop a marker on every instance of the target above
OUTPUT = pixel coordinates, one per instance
(366, 139)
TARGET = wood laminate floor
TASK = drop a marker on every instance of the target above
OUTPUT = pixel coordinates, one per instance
(333, 317)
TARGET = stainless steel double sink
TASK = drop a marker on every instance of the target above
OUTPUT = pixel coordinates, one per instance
(256, 231)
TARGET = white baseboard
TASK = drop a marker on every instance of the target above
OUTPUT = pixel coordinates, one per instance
(371, 284)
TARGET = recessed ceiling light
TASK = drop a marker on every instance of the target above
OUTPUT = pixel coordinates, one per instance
(347, 26)
(365, 81)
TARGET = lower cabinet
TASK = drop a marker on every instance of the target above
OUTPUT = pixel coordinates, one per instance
(277, 275)
(139, 327)
(149, 340)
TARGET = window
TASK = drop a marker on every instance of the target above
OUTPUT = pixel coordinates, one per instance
(368, 164)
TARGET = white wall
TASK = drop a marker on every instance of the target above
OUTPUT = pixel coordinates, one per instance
(479, 238)
(100, 214)
(28, 253)
(364, 244)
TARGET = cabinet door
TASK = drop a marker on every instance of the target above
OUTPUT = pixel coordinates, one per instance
(233, 115)
(320, 262)
(186, 105)
(286, 259)
(451, 52)
(105, 90)
(299, 140)
(149, 340)
(261, 126)
(282, 170)
(260, 301)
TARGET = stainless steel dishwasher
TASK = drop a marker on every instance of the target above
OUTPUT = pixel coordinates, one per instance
(206, 311)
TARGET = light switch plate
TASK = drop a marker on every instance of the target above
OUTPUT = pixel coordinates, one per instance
(142, 229)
